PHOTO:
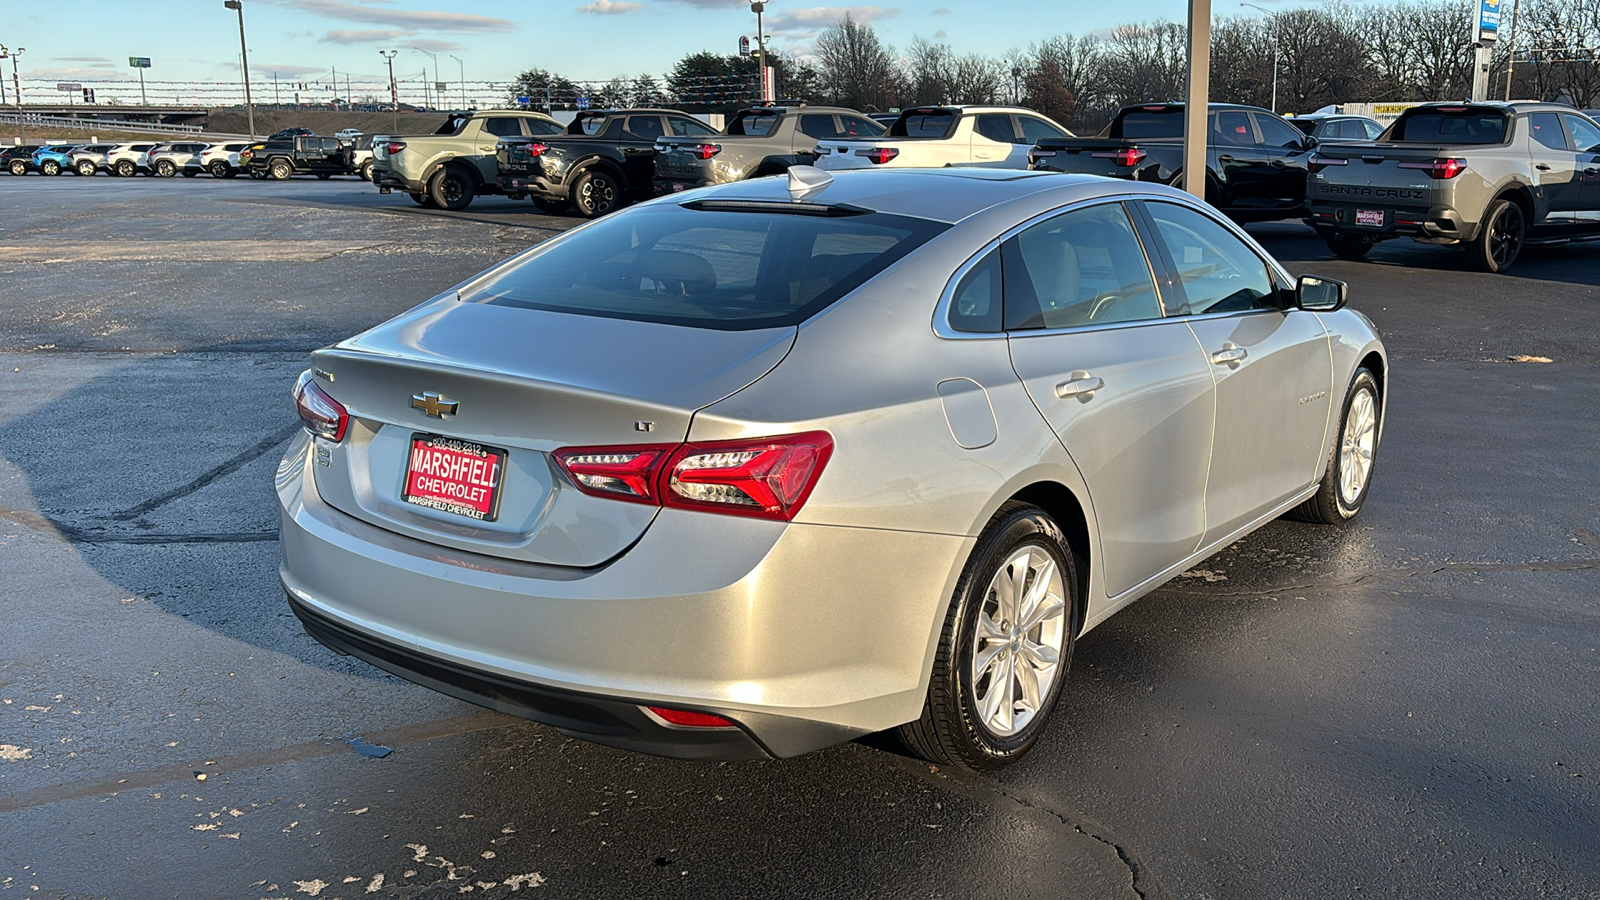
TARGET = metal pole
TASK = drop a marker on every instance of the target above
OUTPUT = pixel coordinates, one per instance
(3, 54)
(244, 64)
(461, 68)
(143, 100)
(425, 86)
(394, 92)
(16, 84)
(1511, 48)
(1197, 105)
(758, 6)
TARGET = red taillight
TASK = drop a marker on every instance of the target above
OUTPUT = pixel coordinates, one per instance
(394, 147)
(621, 473)
(768, 478)
(536, 148)
(1126, 157)
(245, 156)
(1318, 162)
(323, 416)
(684, 718)
(1438, 168)
(705, 151)
(880, 155)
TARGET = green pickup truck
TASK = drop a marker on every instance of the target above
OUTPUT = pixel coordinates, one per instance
(1489, 177)
(457, 162)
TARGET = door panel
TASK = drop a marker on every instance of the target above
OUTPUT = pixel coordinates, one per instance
(1555, 167)
(1240, 159)
(1586, 138)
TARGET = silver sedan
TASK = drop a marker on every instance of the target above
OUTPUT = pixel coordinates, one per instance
(759, 468)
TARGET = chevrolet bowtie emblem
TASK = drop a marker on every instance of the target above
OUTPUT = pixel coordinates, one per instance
(435, 406)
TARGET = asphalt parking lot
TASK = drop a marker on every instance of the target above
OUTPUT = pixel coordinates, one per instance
(1405, 707)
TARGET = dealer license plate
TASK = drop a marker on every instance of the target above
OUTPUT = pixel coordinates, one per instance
(457, 477)
(1369, 217)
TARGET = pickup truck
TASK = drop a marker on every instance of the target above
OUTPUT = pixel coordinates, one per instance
(457, 162)
(1256, 162)
(938, 136)
(604, 159)
(323, 157)
(1489, 177)
(762, 140)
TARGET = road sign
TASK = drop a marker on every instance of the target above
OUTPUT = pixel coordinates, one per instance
(69, 86)
(139, 62)
(441, 86)
(744, 45)
(524, 100)
(1488, 21)
(582, 102)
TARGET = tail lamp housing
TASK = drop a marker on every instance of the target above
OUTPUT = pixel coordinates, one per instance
(705, 151)
(1318, 162)
(764, 478)
(394, 147)
(1443, 169)
(534, 148)
(322, 415)
(1124, 157)
(879, 155)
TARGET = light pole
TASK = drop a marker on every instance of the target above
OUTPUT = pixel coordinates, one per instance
(394, 92)
(244, 63)
(1276, 58)
(757, 7)
(16, 82)
(1511, 55)
(425, 76)
(462, 70)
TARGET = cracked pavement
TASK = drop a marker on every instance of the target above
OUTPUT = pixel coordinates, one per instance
(1402, 707)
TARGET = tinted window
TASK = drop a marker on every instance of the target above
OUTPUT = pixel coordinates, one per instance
(818, 126)
(1373, 129)
(1084, 267)
(707, 269)
(648, 127)
(1585, 134)
(690, 128)
(1545, 128)
(503, 127)
(1309, 126)
(1218, 271)
(856, 126)
(589, 125)
(538, 127)
(975, 305)
(1274, 133)
(924, 123)
(757, 124)
(1462, 127)
(1231, 128)
(1144, 123)
(1035, 129)
(996, 127)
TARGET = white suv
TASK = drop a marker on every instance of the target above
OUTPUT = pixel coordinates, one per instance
(91, 158)
(168, 160)
(222, 160)
(128, 160)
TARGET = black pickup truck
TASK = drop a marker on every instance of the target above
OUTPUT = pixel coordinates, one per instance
(1256, 161)
(280, 159)
(603, 160)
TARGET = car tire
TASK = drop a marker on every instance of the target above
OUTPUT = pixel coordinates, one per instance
(50, 167)
(1348, 478)
(220, 169)
(450, 188)
(551, 206)
(1501, 237)
(258, 174)
(280, 170)
(86, 168)
(964, 724)
(1347, 247)
(165, 168)
(366, 171)
(595, 193)
(127, 168)
(19, 167)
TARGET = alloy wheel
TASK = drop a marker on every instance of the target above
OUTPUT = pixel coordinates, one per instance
(1016, 650)
(1356, 446)
(1505, 235)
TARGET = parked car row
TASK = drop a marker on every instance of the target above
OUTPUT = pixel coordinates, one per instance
(291, 152)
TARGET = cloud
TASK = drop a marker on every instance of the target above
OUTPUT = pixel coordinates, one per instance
(366, 36)
(802, 24)
(716, 4)
(432, 45)
(429, 20)
(70, 73)
(941, 34)
(610, 8)
(93, 60)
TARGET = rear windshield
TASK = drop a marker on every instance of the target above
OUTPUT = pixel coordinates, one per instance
(1306, 125)
(453, 125)
(1143, 123)
(934, 123)
(754, 123)
(1468, 126)
(731, 271)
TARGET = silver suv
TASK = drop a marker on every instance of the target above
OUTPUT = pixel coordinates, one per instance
(91, 158)
(222, 160)
(168, 160)
(127, 160)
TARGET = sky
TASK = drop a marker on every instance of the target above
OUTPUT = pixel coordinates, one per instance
(195, 41)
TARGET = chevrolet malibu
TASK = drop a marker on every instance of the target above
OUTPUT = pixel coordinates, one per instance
(755, 469)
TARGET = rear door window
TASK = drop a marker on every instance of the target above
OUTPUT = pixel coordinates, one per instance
(647, 127)
(706, 268)
(818, 126)
(503, 127)
(996, 127)
(1084, 267)
(1545, 128)
(1231, 128)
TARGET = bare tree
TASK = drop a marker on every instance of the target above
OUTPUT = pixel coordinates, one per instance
(1063, 78)
(858, 69)
(1146, 62)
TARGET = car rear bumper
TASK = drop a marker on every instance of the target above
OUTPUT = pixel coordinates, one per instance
(805, 635)
(389, 180)
(1436, 224)
(520, 184)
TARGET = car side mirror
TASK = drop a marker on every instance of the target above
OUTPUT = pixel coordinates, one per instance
(1311, 142)
(1317, 294)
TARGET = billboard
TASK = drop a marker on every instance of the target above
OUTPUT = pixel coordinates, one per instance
(1488, 21)
(139, 62)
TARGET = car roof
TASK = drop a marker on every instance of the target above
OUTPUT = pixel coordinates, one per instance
(947, 194)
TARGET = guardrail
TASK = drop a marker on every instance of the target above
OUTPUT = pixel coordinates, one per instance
(91, 124)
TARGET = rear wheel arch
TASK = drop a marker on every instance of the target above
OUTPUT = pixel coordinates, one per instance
(466, 168)
(1063, 506)
(599, 162)
(1521, 196)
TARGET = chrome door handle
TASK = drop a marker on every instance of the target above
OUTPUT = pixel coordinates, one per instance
(1591, 171)
(1542, 167)
(1229, 354)
(1081, 385)
(1225, 158)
